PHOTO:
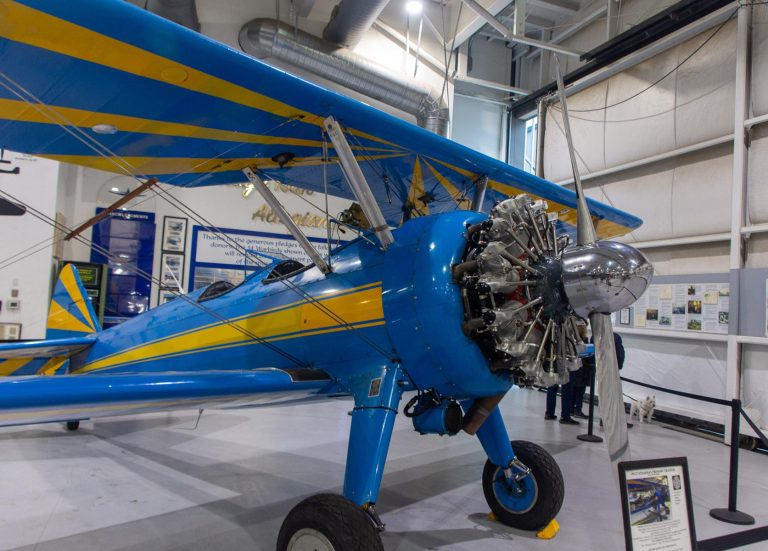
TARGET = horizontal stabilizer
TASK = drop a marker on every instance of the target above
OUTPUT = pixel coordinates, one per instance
(46, 357)
(72, 397)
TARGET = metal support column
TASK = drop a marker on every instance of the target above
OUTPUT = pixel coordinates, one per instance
(481, 184)
(286, 219)
(738, 200)
(357, 182)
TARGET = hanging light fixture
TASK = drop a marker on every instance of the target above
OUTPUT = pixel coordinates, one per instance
(413, 7)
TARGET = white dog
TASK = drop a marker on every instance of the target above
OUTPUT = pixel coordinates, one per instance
(643, 409)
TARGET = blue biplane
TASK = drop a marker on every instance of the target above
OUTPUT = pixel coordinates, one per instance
(477, 288)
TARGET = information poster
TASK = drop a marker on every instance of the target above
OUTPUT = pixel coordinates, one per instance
(701, 307)
(656, 505)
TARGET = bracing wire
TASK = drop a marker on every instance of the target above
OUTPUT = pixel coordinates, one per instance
(131, 171)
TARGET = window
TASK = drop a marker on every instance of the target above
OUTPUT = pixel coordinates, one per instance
(529, 159)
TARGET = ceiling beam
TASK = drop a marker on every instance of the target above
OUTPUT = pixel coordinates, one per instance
(508, 34)
(579, 22)
(477, 22)
(564, 7)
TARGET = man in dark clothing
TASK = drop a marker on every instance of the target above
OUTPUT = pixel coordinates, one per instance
(583, 376)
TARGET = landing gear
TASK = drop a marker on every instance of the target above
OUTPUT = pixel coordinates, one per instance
(328, 522)
(530, 501)
(73, 425)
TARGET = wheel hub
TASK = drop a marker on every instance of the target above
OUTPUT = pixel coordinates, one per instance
(309, 539)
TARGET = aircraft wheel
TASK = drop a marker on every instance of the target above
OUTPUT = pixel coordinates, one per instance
(73, 425)
(540, 494)
(328, 522)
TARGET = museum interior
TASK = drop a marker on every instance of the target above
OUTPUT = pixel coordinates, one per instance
(342, 275)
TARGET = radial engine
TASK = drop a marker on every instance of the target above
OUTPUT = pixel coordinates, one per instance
(515, 302)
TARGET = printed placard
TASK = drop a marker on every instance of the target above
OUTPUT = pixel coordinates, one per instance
(656, 505)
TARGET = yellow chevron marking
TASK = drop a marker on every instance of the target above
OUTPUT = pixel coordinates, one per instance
(360, 307)
(51, 366)
(67, 278)
(452, 190)
(179, 165)
(37, 28)
(605, 228)
(14, 364)
(416, 191)
(58, 318)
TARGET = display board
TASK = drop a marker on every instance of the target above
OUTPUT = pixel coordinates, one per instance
(215, 259)
(695, 307)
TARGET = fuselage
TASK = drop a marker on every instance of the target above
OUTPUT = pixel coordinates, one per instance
(375, 308)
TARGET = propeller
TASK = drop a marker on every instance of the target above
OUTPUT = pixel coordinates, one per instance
(601, 277)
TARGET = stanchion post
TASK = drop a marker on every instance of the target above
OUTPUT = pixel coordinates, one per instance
(589, 437)
(731, 514)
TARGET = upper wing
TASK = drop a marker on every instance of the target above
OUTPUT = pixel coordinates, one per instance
(194, 112)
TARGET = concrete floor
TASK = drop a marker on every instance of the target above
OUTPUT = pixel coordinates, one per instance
(151, 482)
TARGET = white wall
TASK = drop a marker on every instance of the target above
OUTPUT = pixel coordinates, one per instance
(31, 274)
(683, 196)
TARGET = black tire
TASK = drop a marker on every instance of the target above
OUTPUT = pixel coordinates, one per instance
(344, 525)
(547, 484)
(73, 425)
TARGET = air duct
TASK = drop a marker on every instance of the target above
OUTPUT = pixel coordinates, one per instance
(265, 38)
(351, 19)
(183, 12)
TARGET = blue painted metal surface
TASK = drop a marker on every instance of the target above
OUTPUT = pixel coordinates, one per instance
(193, 112)
(495, 439)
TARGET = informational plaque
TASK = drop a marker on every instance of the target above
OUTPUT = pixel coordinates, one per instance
(656, 504)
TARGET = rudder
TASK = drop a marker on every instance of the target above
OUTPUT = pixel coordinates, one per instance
(71, 313)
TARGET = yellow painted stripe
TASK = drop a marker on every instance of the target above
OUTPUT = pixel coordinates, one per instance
(452, 190)
(417, 190)
(14, 364)
(58, 318)
(314, 301)
(362, 306)
(17, 110)
(51, 366)
(36, 28)
(183, 165)
(67, 278)
(605, 228)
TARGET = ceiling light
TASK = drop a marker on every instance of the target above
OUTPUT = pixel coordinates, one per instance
(104, 129)
(413, 7)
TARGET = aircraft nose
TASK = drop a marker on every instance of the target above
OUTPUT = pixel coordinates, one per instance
(604, 277)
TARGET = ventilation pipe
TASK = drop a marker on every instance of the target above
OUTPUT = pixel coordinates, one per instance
(183, 12)
(350, 21)
(265, 38)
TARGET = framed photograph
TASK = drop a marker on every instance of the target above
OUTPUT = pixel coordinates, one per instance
(171, 271)
(10, 331)
(624, 316)
(174, 234)
(167, 296)
(656, 505)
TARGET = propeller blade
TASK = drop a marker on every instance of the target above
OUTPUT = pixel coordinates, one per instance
(585, 229)
(609, 382)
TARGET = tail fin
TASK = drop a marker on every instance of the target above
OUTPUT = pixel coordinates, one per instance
(71, 313)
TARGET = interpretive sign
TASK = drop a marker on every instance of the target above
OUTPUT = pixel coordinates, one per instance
(656, 505)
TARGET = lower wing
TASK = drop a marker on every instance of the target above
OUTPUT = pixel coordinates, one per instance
(39, 399)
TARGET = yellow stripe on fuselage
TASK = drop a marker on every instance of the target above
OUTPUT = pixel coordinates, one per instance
(360, 308)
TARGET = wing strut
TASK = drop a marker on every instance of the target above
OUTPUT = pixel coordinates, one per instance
(357, 182)
(286, 219)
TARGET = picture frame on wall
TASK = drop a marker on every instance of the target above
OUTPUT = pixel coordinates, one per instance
(174, 234)
(171, 271)
(624, 316)
(656, 504)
